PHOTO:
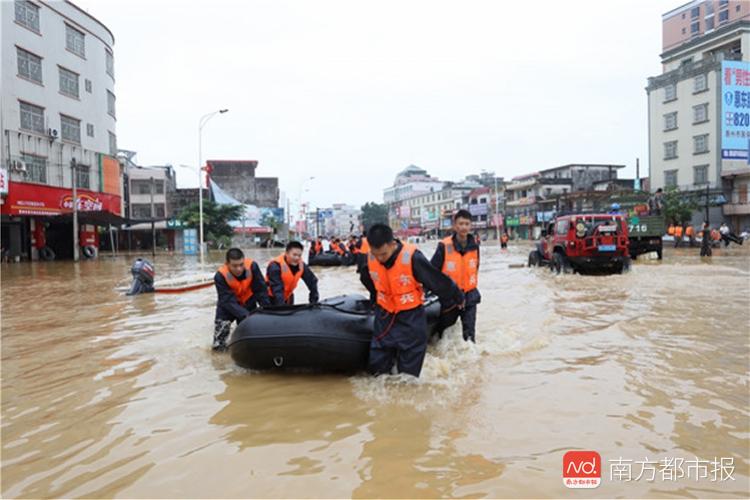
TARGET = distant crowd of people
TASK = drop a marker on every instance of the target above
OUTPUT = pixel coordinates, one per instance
(706, 236)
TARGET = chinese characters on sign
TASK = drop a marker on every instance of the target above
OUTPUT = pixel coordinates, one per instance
(735, 112)
(671, 469)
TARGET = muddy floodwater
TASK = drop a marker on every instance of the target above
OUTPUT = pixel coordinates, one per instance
(105, 395)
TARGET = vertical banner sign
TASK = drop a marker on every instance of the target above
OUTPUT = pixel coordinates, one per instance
(190, 241)
(735, 111)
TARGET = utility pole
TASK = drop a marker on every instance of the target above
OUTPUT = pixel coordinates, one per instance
(317, 222)
(74, 172)
(153, 214)
(497, 211)
(708, 186)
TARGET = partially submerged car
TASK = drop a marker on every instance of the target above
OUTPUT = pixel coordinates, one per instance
(584, 243)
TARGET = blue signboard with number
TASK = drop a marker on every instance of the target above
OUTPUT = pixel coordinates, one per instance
(735, 110)
(190, 241)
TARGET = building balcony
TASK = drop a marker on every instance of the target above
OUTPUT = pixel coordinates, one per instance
(736, 208)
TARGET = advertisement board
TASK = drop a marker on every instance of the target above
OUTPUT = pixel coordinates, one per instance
(735, 110)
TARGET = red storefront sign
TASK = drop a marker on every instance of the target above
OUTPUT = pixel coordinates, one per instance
(253, 230)
(36, 199)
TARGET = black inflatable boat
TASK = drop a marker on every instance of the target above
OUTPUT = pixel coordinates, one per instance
(333, 335)
(330, 259)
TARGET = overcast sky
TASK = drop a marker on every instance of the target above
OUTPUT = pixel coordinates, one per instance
(352, 92)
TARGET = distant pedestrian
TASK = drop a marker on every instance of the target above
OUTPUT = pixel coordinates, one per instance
(677, 235)
(727, 235)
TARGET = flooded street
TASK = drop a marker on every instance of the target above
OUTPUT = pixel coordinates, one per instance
(105, 395)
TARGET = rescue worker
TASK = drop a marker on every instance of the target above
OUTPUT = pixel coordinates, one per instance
(284, 272)
(361, 251)
(240, 288)
(457, 256)
(504, 240)
(690, 233)
(316, 247)
(397, 274)
(670, 230)
(677, 235)
(707, 241)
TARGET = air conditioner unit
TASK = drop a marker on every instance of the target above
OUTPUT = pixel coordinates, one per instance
(18, 166)
(52, 133)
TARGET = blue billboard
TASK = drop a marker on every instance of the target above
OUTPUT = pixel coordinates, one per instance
(735, 110)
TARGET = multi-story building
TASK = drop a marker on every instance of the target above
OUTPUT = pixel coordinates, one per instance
(345, 220)
(409, 183)
(237, 179)
(699, 106)
(532, 199)
(57, 117)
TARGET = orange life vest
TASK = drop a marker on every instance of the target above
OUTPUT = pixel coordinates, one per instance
(397, 289)
(670, 230)
(318, 247)
(337, 248)
(365, 247)
(288, 278)
(504, 238)
(715, 235)
(243, 289)
(689, 231)
(678, 231)
(460, 268)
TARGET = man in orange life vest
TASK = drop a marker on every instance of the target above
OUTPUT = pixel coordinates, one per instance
(316, 247)
(458, 257)
(361, 252)
(284, 272)
(397, 273)
(240, 288)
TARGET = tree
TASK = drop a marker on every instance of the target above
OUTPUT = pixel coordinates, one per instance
(374, 213)
(216, 220)
(679, 206)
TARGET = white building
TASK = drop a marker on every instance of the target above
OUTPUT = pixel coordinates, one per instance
(345, 221)
(410, 182)
(58, 99)
(688, 136)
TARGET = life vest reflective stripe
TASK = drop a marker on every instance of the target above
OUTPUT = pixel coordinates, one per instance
(678, 231)
(397, 289)
(243, 289)
(288, 278)
(460, 268)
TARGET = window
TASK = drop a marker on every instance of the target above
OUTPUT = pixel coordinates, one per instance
(670, 150)
(700, 113)
(71, 129)
(686, 61)
(111, 103)
(36, 168)
(709, 8)
(112, 144)
(140, 210)
(738, 8)
(87, 84)
(68, 82)
(562, 227)
(29, 65)
(32, 117)
(670, 178)
(110, 63)
(27, 14)
(723, 16)
(695, 12)
(74, 41)
(143, 186)
(709, 24)
(723, 3)
(670, 121)
(83, 174)
(684, 31)
(700, 174)
(700, 144)
(700, 83)
(695, 28)
(90, 129)
(670, 92)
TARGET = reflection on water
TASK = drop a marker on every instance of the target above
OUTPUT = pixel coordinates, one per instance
(105, 395)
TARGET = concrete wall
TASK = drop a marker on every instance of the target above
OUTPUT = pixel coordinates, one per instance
(238, 179)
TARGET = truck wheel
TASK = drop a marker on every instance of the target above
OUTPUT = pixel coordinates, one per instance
(560, 264)
(534, 258)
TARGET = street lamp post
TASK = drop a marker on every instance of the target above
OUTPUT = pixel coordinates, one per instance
(201, 123)
(74, 175)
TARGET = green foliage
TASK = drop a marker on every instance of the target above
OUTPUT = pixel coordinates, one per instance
(215, 221)
(374, 213)
(679, 206)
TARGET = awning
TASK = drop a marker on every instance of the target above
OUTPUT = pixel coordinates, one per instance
(97, 218)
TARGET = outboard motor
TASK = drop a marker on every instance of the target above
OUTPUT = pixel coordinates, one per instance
(143, 277)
